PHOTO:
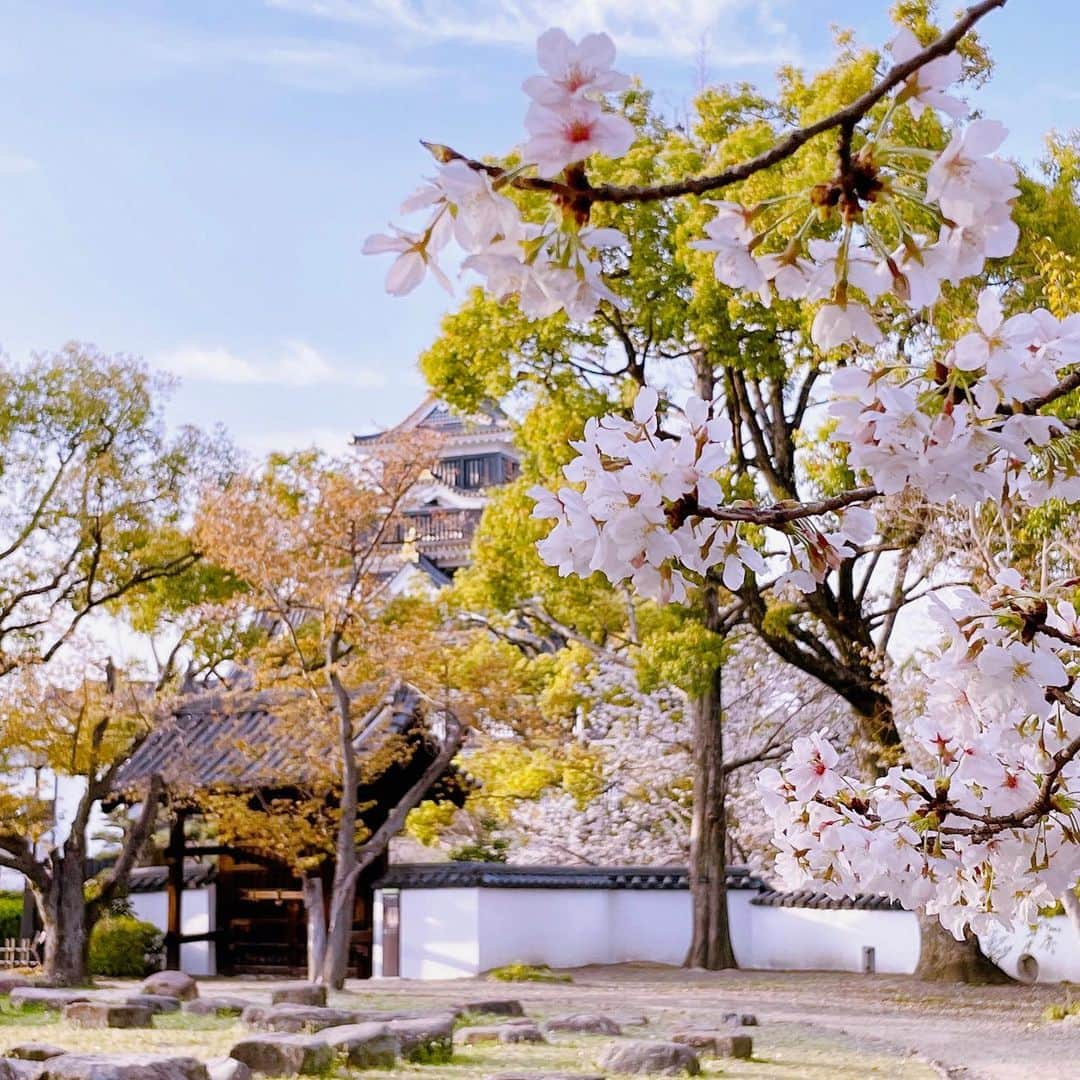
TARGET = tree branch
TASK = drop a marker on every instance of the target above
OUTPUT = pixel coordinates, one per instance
(585, 194)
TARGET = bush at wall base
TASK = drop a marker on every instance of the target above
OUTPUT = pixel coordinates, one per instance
(121, 945)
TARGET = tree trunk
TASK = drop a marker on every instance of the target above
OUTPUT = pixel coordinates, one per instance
(1072, 908)
(710, 945)
(315, 906)
(64, 919)
(343, 890)
(944, 959)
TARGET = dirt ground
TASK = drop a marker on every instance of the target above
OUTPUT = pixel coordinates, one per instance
(970, 1033)
(812, 1025)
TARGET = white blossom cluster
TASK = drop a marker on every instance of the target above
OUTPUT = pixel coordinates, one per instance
(997, 730)
(624, 520)
(548, 267)
(641, 813)
(959, 431)
(967, 189)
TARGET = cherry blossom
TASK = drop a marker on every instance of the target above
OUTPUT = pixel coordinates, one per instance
(965, 181)
(572, 133)
(573, 71)
(836, 324)
(915, 834)
(925, 89)
(416, 256)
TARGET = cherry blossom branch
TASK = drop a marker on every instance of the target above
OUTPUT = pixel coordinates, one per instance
(780, 513)
(1064, 387)
(579, 193)
(986, 826)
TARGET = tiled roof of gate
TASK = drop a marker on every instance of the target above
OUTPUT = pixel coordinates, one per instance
(239, 742)
(808, 898)
(469, 875)
(146, 879)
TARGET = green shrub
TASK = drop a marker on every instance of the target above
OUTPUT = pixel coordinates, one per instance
(528, 973)
(11, 906)
(122, 945)
(1061, 1012)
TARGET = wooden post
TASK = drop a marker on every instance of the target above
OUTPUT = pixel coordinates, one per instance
(28, 922)
(174, 891)
(391, 933)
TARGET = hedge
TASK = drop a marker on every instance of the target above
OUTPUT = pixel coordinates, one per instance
(121, 945)
(11, 906)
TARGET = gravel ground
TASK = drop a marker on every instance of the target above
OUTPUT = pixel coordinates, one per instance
(813, 1025)
(970, 1033)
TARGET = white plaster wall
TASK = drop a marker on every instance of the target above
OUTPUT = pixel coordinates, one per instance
(453, 932)
(198, 917)
(439, 933)
(806, 939)
(1053, 942)
(558, 927)
(648, 925)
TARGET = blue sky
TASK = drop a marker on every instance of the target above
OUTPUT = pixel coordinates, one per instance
(191, 180)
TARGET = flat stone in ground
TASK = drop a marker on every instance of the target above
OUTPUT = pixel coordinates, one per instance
(649, 1058)
(216, 1006)
(228, 1069)
(365, 1046)
(104, 1014)
(295, 1019)
(631, 1019)
(717, 1042)
(175, 984)
(298, 993)
(544, 1076)
(125, 1067)
(156, 1003)
(427, 1040)
(502, 1033)
(582, 1024)
(35, 1051)
(9, 982)
(16, 1069)
(741, 1019)
(47, 998)
(495, 1007)
(284, 1055)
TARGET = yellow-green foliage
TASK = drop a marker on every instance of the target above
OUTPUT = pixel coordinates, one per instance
(427, 821)
(528, 973)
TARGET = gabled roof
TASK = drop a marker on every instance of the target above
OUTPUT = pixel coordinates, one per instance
(197, 875)
(435, 415)
(237, 742)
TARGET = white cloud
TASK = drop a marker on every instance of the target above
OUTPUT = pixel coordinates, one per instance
(334, 441)
(15, 163)
(321, 65)
(731, 32)
(297, 365)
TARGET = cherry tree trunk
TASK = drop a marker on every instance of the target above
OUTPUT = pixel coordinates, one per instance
(710, 945)
(62, 908)
(944, 959)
